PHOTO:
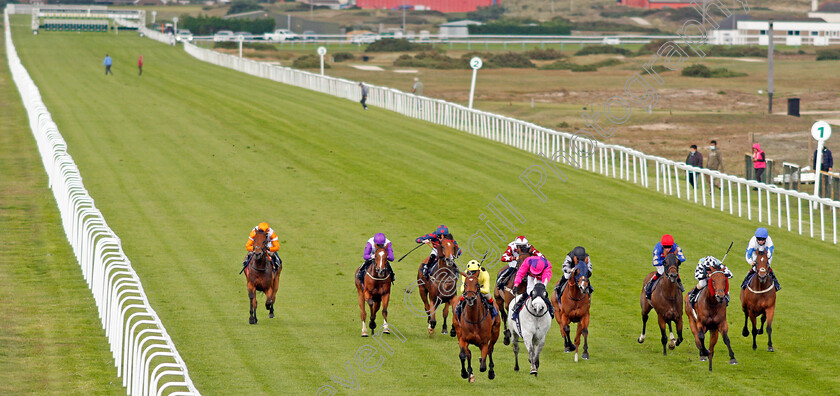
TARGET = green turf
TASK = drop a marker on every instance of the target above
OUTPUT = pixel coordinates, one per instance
(51, 340)
(184, 160)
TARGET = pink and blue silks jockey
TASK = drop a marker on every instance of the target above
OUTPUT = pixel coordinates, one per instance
(371, 246)
(534, 270)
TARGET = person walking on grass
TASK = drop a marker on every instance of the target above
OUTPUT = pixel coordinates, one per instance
(140, 65)
(715, 161)
(107, 63)
(364, 95)
(759, 162)
(694, 159)
(417, 88)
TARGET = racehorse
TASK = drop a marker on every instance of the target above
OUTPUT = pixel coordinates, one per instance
(375, 290)
(534, 322)
(503, 297)
(709, 314)
(573, 307)
(667, 300)
(441, 287)
(476, 326)
(261, 276)
(759, 299)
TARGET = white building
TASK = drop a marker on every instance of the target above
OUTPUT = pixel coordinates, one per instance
(457, 29)
(794, 33)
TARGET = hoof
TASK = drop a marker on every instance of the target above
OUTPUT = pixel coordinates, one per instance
(516, 368)
(452, 332)
(364, 335)
(745, 333)
(372, 324)
(386, 331)
(733, 361)
(702, 358)
(576, 357)
(534, 373)
(507, 337)
(464, 374)
(760, 331)
(585, 355)
(770, 349)
(431, 331)
(491, 375)
(271, 315)
(252, 320)
(641, 339)
(755, 347)
(672, 345)
(472, 378)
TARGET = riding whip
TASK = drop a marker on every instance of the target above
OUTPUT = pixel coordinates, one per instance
(727, 252)
(401, 258)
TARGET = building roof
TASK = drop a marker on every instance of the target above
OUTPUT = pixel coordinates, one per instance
(829, 6)
(463, 22)
(731, 22)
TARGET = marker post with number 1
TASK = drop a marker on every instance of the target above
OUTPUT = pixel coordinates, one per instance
(475, 64)
(321, 52)
(820, 131)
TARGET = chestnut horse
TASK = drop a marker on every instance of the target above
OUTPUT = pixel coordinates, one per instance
(759, 299)
(504, 296)
(375, 290)
(476, 326)
(573, 307)
(667, 300)
(709, 314)
(441, 287)
(260, 276)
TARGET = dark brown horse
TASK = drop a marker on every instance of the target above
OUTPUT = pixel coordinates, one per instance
(709, 314)
(375, 290)
(573, 307)
(441, 286)
(504, 296)
(261, 276)
(476, 327)
(667, 300)
(759, 299)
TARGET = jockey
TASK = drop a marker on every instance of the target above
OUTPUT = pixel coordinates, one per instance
(536, 270)
(372, 244)
(662, 248)
(272, 237)
(577, 255)
(761, 241)
(702, 275)
(433, 241)
(511, 255)
(483, 280)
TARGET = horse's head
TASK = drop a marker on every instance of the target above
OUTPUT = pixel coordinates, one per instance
(538, 297)
(718, 284)
(260, 244)
(581, 276)
(380, 260)
(471, 288)
(762, 266)
(447, 250)
(672, 267)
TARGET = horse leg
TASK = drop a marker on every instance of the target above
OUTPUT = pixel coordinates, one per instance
(746, 332)
(672, 342)
(252, 295)
(469, 363)
(452, 305)
(424, 295)
(443, 329)
(385, 299)
(269, 301)
(528, 340)
(483, 361)
(463, 356)
(504, 314)
(515, 352)
(565, 330)
(725, 334)
(679, 323)
(364, 312)
(432, 319)
(645, 311)
(712, 342)
(700, 339)
(754, 330)
(763, 317)
(769, 312)
(373, 310)
(577, 339)
(664, 335)
(585, 324)
(492, 373)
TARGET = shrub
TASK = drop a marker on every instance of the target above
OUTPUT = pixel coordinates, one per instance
(431, 60)
(205, 25)
(510, 59)
(309, 62)
(603, 49)
(659, 69)
(737, 51)
(828, 54)
(697, 71)
(544, 54)
(607, 63)
(726, 73)
(489, 13)
(240, 6)
(566, 65)
(518, 27)
(396, 45)
(343, 56)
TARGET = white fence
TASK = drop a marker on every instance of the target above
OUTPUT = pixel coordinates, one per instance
(767, 204)
(144, 354)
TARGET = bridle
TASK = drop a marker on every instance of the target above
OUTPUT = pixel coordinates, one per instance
(471, 297)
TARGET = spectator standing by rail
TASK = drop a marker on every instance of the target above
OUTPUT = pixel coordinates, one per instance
(140, 65)
(827, 160)
(715, 161)
(364, 95)
(759, 161)
(108, 62)
(417, 88)
(694, 159)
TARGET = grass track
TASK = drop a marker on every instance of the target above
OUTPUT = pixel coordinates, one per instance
(51, 341)
(185, 159)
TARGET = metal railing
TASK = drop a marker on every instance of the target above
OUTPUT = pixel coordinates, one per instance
(144, 354)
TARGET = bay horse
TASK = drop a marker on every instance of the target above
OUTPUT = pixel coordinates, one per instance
(534, 322)
(667, 300)
(504, 296)
(709, 314)
(759, 299)
(476, 326)
(260, 276)
(441, 287)
(375, 290)
(573, 307)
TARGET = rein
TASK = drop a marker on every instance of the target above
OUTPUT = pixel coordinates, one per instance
(486, 310)
(535, 315)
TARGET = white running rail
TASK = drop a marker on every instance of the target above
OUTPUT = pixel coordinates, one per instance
(765, 203)
(144, 354)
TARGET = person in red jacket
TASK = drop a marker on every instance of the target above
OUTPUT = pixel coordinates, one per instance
(140, 65)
